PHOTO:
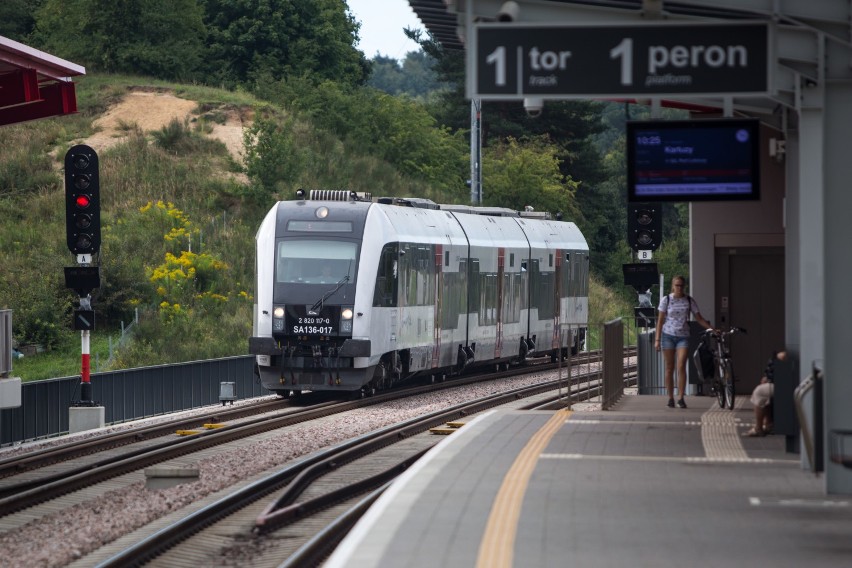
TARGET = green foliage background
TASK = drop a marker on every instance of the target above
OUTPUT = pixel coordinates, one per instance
(179, 213)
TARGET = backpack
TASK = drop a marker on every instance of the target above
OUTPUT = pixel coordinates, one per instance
(769, 370)
(689, 304)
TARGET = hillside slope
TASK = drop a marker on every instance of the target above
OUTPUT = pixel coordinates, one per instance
(152, 110)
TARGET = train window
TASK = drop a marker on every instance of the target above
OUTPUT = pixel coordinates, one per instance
(578, 287)
(475, 284)
(385, 293)
(565, 278)
(446, 258)
(511, 259)
(512, 286)
(454, 296)
(550, 259)
(542, 290)
(417, 274)
(315, 262)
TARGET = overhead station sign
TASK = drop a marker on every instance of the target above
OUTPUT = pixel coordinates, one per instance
(514, 60)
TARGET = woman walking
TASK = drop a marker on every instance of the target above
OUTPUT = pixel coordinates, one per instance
(673, 335)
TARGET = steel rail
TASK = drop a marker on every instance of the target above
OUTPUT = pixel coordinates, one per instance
(297, 476)
(79, 448)
(15, 497)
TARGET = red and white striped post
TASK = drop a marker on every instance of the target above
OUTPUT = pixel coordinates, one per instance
(86, 382)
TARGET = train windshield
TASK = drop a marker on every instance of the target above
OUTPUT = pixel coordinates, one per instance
(315, 262)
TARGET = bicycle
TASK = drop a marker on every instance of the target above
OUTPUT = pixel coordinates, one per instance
(713, 359)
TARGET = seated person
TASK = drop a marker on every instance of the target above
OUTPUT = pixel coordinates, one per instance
(761, 398)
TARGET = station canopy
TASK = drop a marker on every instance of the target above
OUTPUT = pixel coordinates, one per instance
(34, 84)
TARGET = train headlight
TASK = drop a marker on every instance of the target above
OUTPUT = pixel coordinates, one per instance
(322, 212)
(278, 319)
(346, 320)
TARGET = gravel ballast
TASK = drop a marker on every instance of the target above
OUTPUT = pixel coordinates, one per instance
(67, 535)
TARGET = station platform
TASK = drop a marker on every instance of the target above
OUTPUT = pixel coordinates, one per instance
(639, 485)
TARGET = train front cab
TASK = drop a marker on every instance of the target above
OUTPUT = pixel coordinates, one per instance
(307, 275)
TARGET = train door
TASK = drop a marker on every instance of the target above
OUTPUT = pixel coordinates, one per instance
(513, 304)
(501, 290)
(386, 299)
(558, 294)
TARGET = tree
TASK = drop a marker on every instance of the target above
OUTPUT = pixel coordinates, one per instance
(162, 38)
(250, 40)
(16, 18)
(394, 129)
(517, 174)
(414, 78)
(605, 224)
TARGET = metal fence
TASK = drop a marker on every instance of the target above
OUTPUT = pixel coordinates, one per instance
(650, 363)
(128, 394)
(613, 363)
(652, 367)
(5, 342)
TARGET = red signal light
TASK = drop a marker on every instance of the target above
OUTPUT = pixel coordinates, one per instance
(82, 201)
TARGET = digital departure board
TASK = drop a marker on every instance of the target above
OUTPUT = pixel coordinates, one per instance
(693, 160)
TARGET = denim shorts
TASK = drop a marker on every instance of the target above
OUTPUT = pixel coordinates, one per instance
(674, 342)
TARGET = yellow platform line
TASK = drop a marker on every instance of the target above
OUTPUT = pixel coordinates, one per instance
(498, 543)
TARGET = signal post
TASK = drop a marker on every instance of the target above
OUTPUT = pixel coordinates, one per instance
(644, 235)
(83, 237)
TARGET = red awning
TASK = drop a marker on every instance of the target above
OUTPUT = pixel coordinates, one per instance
(34, 84)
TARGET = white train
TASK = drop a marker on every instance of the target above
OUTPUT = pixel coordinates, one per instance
(353, 294)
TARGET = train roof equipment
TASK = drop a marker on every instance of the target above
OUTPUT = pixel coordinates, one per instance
(422, 203)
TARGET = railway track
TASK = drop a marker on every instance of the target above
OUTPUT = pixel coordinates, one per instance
(317, 501)
(52, 485)
(77, 449)
(28, 479)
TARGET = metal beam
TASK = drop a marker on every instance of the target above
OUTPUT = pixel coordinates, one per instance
(56, 99)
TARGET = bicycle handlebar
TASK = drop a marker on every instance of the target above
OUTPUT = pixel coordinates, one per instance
(731, 331)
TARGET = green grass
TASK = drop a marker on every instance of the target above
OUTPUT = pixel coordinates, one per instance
(64, 361)
(606, 305)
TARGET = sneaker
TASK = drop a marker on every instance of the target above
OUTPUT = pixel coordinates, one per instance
(681, 404)
(671, 403)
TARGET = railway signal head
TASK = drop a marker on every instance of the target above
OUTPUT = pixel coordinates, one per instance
(82, 201)
(644, 226)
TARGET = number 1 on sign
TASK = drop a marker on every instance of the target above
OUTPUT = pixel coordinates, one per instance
(498, 57)
(624, 50)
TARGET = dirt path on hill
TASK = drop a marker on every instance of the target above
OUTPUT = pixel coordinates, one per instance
(151, 111)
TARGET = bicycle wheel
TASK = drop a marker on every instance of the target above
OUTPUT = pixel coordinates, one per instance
(719, 389)
(730, 392)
